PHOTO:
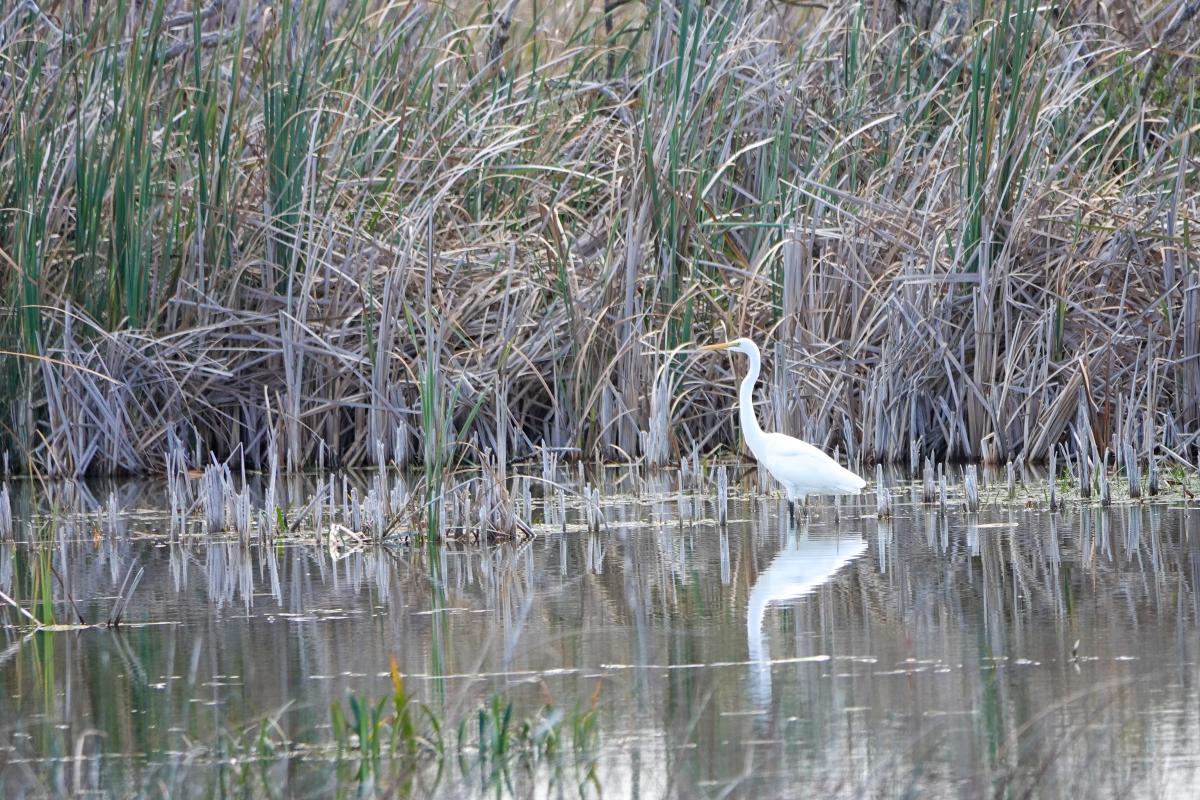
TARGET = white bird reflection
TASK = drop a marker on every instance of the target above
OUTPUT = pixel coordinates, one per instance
(800, 567)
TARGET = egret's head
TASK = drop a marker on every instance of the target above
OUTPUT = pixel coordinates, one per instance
(742, 345)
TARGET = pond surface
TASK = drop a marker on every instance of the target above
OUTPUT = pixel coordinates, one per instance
(1007, 652)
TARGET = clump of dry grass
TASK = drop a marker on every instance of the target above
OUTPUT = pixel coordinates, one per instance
(304, 223)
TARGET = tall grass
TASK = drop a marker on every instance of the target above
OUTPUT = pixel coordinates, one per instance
(355, 217)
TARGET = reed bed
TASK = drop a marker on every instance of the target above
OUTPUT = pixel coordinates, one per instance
(300, 232)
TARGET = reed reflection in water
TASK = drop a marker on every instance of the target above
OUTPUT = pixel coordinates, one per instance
(851, 656)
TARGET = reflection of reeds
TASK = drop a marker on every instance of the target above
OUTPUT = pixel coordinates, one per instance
(969, 250)
(128, 587)
(1025, 589)
(6, 518)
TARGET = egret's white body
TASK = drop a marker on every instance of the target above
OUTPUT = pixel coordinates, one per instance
(800, 468)
(800, 568)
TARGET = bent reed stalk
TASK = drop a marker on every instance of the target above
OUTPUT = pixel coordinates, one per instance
(242, 223)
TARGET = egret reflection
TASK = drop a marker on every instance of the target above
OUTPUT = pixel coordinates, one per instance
(805, 563)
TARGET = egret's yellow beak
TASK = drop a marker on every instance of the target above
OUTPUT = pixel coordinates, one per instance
(721, 346)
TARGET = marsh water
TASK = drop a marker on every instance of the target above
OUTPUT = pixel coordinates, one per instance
(1006, 652)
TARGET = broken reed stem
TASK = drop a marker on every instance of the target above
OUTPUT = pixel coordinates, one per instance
(883, 498)
(527, 501)
(1083, 463)
(971, 488)
(1053, 480)
(214, 488)
(1102, 479)
(592, 507)
(241, 515)
(722, 495)
(112, 513)
(1132, 473)
(942, 488)
(179, 493)
(549, 465)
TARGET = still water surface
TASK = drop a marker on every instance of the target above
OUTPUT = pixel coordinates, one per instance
(1002, 653)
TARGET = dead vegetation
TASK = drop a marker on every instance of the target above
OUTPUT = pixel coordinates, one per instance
(309, 224)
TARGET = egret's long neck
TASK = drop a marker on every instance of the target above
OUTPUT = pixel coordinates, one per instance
(750, 427)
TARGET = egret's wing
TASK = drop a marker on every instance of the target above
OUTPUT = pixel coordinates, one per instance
(806, 467)
(786, 446)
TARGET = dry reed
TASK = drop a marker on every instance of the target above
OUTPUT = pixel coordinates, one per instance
(345, 222)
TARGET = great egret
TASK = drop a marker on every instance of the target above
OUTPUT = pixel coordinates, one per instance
(798, 466)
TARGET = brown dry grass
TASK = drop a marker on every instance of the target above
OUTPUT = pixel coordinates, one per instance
(971, 240)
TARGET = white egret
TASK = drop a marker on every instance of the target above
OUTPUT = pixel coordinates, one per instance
(798, 466)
